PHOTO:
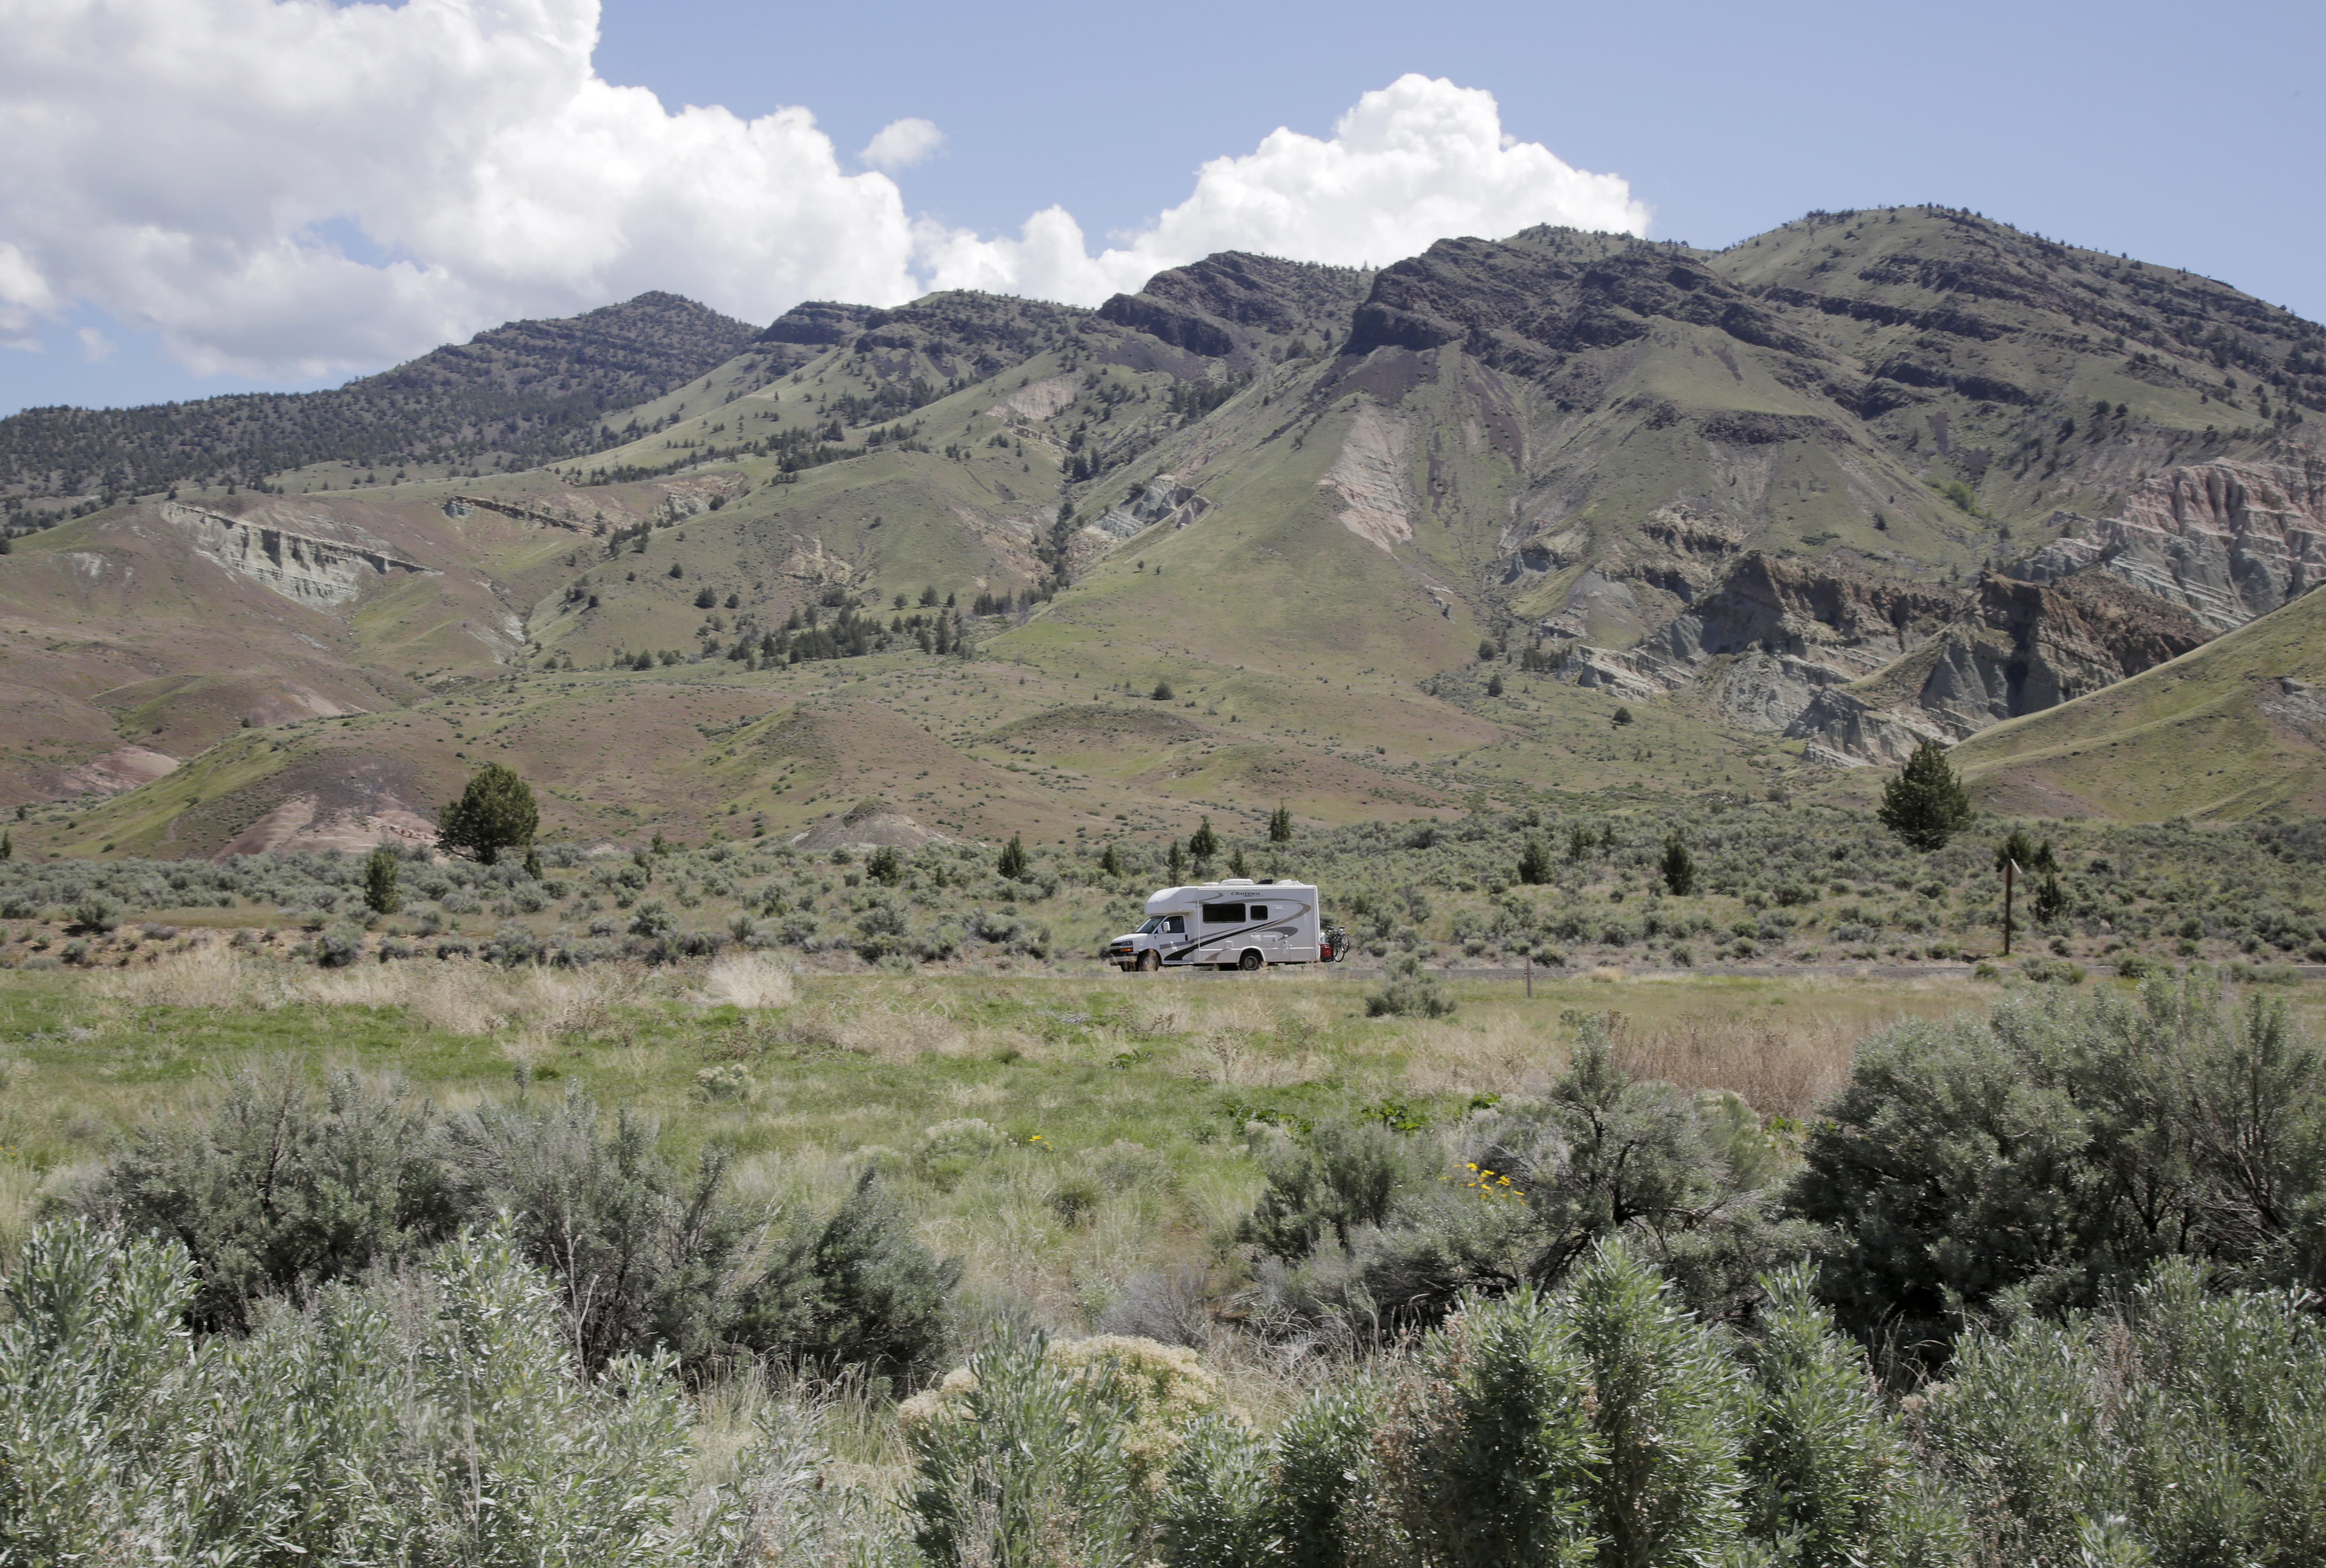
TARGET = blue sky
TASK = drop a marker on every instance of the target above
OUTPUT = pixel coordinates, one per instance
(2181, 134)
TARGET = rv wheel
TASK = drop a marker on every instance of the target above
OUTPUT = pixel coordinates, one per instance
(1148, 963)
(1249, 962)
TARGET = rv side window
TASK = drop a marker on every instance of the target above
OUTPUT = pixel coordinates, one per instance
(1256, 912)
(1222, 914)
(1175, 925)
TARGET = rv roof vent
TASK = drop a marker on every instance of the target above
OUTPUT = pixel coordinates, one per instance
(1238, 881)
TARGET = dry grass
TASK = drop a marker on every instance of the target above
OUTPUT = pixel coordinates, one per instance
(19, 1193)
(890, 1027)
(749, 980)
(210, 975)
(1791, 1067)
(1504, 1054)
(470, 999)
(1245, 1062)
(456, 998)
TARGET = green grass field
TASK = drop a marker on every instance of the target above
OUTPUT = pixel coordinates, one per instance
(1065, 1135)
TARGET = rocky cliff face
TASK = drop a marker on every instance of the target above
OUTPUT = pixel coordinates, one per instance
(1239, 307)
(2229, 541)
(314, 571)
(1866, 668)
(1163, 501)
(1850, 620)
(2028, 647)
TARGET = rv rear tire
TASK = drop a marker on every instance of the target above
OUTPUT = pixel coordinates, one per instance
(1249, 962)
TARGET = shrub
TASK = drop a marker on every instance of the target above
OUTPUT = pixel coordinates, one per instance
(380, 894)
(275, 1194)
(1345, 1176)
(1829, 1469)
(445, 1409)
(513, 944)
(1668, 1412)
(964, 1138)
(1678, 868)
(1019, 1461)
(95, 914)
(278, 1195)
(2054, 1150)
(1495, 1454)
(879, 1299)
(1409, 992)
(2180, 1427)
(339, 946)
(1014, 862)
(727, 1085)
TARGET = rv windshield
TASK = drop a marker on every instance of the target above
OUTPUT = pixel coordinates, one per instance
(1149, 926)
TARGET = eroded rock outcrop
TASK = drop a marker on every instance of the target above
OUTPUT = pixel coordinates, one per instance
(315, 570)
(2229, 541)
(1369, 477)
(866, 825)
(1809, 612)
(1866, 668)
(2031, 647)
(1163, 501)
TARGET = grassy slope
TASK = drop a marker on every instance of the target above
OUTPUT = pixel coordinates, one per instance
(2194, 736)
(1302, 648)
(2043, 317)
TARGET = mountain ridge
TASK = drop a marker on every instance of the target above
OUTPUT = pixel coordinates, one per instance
(1395, 537)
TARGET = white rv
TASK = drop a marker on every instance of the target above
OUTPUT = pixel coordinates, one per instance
(1237, 924)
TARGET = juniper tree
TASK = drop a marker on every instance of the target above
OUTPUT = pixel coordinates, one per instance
(1280, 824)
(494, 814)
(1925, 804)
(1534, 864)
(1014, 861)
(1678, 868)
(1204, 844)
(2016, 847)
(380, 895)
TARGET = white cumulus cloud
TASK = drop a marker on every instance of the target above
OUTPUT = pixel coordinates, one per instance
(174, 162)
(901, 144)
(1417, 161)
(298, 188)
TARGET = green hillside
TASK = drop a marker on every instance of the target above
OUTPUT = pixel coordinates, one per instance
(2236, 729)
(510, 397)
(1566, 511)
